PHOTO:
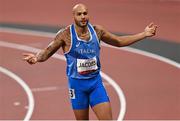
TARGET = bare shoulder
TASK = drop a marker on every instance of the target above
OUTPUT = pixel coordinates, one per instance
(63, 35)
(63, 32)
(99, 30)
(98, 27)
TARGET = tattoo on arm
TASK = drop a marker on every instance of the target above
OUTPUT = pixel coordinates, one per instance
(120, 41)
(106, 36)
(44, 54)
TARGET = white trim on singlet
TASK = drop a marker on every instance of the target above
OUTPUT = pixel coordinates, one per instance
(95, 34)
(82, 39)
(71, 41)
(62, 29)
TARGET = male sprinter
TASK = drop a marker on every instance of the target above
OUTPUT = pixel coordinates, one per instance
(80, 43)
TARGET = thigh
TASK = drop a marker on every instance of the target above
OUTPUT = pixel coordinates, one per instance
(103, 111)
(98, 95)
(80, 104)
(100, 103)
(82, 114)
(79, 99)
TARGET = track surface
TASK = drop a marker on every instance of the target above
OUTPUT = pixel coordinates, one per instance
(151, 87)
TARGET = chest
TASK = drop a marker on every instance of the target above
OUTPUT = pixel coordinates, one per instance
(85, 37)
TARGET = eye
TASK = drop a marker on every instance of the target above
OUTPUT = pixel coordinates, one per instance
(78, 14)
(85, 13)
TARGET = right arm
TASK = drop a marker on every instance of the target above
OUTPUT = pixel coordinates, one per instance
(44, 54)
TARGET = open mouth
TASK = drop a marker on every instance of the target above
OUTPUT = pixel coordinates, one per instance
(83, 21)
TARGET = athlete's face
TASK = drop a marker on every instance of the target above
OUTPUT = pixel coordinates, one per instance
(81, 17)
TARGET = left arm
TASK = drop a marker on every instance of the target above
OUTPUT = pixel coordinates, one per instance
(120, 41)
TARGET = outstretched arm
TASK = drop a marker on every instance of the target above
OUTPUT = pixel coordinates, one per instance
(44, 54)
(120, 41)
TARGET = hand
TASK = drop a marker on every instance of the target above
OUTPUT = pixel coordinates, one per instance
(150, 30)
(30, 58)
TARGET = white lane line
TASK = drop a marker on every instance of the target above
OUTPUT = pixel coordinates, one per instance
(128, 49)
(26, 32)
(26, 89)
(61, 57)
(44, 89)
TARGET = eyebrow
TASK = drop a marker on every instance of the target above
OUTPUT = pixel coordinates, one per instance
(81, 12)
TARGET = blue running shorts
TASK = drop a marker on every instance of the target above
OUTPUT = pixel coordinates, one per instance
(87, 92)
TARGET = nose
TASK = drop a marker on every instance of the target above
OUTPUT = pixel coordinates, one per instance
(82, 16)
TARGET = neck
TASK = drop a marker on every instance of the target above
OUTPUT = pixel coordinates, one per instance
(81, 30)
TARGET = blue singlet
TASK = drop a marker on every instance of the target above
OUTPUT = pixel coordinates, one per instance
(83, 71)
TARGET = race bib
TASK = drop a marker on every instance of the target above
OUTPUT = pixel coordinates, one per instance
(86, 66)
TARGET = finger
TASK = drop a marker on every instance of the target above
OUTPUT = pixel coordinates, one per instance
(27, 54)
(27, 58)
(32, 61)
(153, 31)
(151, 24)
(155, 26)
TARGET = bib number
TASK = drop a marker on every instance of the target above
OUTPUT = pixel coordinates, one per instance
(86, 66)
(71, 93)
